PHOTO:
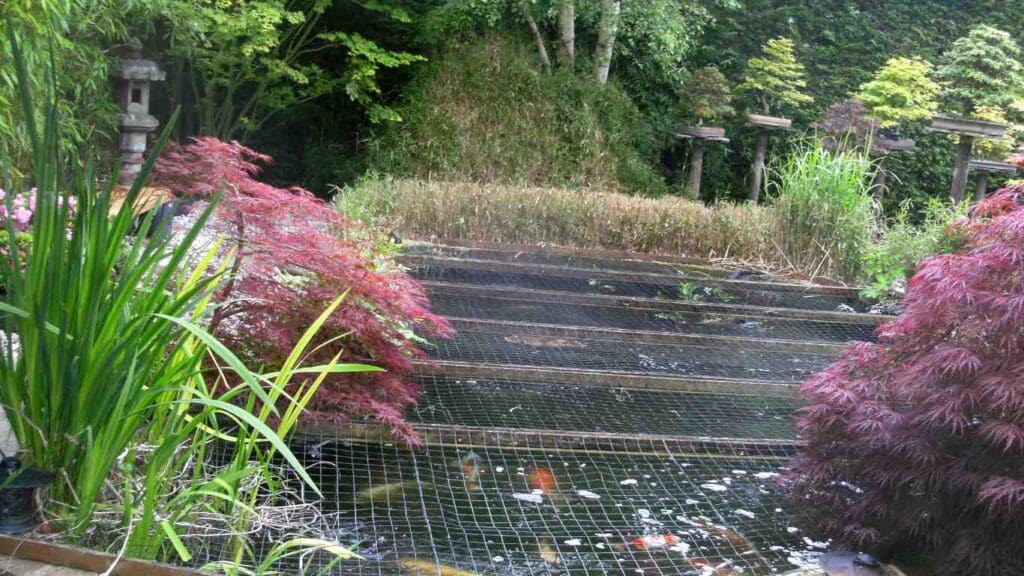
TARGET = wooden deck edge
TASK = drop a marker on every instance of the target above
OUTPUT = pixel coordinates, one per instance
(634, 380)
(556, 440)
(83, 559)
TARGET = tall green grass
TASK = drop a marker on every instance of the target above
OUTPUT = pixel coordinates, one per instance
(109, 381)
(823, 213)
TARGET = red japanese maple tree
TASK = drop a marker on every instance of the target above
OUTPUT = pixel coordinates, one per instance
(295, 255)
(915, 444)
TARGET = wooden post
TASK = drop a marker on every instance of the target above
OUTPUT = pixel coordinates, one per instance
(878, 189)
(963, 158)
(982, 189)
(696, 168)
(758, 168)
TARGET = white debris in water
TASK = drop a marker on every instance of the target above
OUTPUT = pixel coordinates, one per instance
(727, 480)
(792, 530)
(746, 513)
(691, 501)
(644, 513)
(777, 548)
(588, 494)
(599, 546)
(498, 559)
(815, 544)
(534, 497)
(630, 482)
(682, 547)
(573, 542)
(740, 472)
(499, 469)
(685, 465)
(714, 487)
(604, 534)
(778, 510)
(765, 475)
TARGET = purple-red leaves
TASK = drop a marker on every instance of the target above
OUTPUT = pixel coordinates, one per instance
(929, 422)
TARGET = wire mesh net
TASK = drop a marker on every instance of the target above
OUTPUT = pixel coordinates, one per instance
(524, 308)
(570, 433)
(518, 404)
(687, 289)
(585, 350)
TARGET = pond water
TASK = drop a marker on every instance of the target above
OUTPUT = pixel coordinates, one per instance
(540, 511)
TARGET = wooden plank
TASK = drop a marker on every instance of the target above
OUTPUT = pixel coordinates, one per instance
(82, 559)
(604, 378)
(557, 440)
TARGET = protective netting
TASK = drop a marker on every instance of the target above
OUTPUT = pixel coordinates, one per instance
(566, 431)
(523, 307)
(682, 288)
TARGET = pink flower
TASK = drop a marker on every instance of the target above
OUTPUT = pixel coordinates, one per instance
(22, 216)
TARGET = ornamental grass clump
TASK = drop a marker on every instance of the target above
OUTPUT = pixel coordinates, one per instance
(293, 255)
(915, 444)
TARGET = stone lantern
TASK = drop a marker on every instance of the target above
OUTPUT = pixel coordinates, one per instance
(134, 77)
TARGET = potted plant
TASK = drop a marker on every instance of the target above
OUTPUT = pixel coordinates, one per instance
(774, 79)
(979, 73)
(703, 99)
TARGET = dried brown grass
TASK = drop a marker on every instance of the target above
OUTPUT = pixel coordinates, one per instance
(582, 218)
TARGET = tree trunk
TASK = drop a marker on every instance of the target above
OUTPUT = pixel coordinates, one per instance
(963, 159)
(758, 168)
(567, 33)
(537, 38)
(606, 39)
(696, 168)
(982, 189)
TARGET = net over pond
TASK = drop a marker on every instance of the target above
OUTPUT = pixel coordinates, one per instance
(567, 430)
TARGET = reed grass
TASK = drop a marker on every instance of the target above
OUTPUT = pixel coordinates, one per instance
(441, 210)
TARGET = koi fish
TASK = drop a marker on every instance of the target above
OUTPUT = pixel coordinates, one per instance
(544, 480)
(375, 493)
(731, 536)
(649, 542)
(712, 566)
(426, 568)
(548, 553)
(654, 541)
(470, 466)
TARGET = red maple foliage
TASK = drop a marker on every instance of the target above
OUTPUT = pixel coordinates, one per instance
(295, 255)
(915, 444)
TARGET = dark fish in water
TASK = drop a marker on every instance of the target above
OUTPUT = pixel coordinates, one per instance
(856, 564)
(734, 538)
(427, 568)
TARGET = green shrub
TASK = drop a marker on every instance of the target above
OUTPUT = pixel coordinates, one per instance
(484, 112)
(823, 209)
(903, 244)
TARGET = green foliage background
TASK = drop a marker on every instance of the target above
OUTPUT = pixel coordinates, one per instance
(842, 44)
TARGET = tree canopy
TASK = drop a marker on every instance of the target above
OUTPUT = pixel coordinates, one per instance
(705, 96)
(776, 78)
(900, 91)
(981, 69)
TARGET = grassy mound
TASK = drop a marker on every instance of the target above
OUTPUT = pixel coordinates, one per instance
(486, 113)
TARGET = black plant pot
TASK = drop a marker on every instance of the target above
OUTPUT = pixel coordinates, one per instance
(18, 511)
